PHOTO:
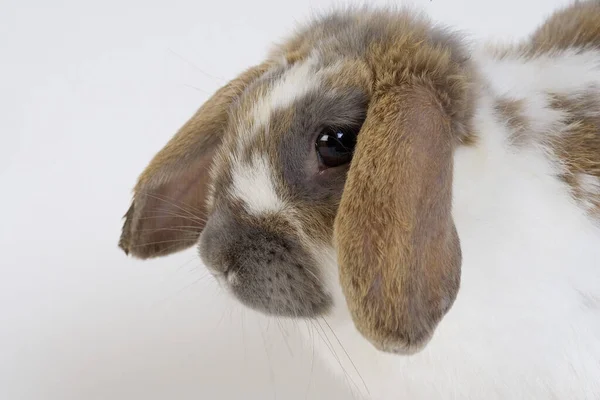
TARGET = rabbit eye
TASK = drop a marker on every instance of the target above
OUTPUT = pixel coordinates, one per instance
(335, 146)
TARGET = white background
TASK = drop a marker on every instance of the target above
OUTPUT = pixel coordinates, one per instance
(89, 91)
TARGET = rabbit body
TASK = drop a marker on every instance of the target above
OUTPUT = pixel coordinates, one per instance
(457, 256)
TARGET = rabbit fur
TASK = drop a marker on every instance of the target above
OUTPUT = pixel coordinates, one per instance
(457, 256)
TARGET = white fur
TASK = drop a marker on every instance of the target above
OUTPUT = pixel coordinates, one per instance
(590, 188)
(253, 184)
(520, 77)
(526, 323)
(296, 82)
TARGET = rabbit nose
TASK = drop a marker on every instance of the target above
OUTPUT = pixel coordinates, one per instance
(262, 263)
(228, 245)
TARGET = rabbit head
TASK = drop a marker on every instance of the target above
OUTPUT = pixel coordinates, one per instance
(339, 147)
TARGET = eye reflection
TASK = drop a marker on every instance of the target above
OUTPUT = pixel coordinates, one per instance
(335, 146)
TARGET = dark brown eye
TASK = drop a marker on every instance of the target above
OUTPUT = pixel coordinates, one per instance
(335, 146)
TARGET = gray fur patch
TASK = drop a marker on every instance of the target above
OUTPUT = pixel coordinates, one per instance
(267, 269)
(315, 112)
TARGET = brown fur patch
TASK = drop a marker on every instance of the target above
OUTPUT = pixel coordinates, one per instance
(578, 146)
(576, 26)
(511, 112)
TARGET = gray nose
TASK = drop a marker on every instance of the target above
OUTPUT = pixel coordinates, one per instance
(229, 243)
(265, 265)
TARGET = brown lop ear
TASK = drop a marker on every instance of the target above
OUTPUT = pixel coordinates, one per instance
(168, 211)
(398, 249)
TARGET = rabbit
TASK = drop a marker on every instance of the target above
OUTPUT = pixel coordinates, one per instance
(434, 200)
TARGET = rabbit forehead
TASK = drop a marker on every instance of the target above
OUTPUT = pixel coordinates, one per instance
(269, 139)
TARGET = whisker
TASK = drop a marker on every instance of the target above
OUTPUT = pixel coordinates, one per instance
(195, 229)
(180, 267)
(167, 249)
(346, 374)
(179, 291)
(196, 67)
(196, 88)
(161, 214)
(271, 373)
(319, 281)
(168, 230)
(174, 241)
(220, 319)
(312, 360)
(244, 336)
(347, 355)
(285, 338)
(172, 227)
(324, 341)
(171, 201)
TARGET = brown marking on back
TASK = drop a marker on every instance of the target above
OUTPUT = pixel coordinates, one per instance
(577, 147)
(512, 114)
(576, 26)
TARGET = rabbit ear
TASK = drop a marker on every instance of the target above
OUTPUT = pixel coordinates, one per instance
(398, 249)
(168, 211)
